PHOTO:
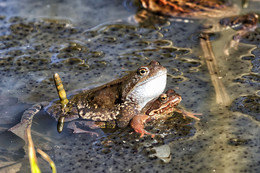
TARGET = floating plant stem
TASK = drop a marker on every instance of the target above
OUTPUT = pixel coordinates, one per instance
(61, 91)
(60, 124)
(32, 154)
(63, 100)
(48, 159)
(221, 95)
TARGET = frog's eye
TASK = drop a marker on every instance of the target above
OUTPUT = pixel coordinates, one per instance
(163, 98)
(143, 71)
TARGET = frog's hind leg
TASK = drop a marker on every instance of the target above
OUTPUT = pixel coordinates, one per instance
(92, 125)
(26, 120)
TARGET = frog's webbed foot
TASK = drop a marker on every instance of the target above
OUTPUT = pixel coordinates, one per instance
(137, 123)
(188, 114)
(233, 43)
(191, 115)
(26, 120)
(91, 124)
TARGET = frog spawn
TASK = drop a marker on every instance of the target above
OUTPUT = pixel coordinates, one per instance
(91, 55)
(116, 150)
(250, 103)
(183, 149)
(186, 148)
(128, 58)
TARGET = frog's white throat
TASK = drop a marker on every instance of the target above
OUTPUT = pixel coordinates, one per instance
(148, 90)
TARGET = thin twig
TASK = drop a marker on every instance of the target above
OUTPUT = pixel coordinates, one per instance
(221, 94)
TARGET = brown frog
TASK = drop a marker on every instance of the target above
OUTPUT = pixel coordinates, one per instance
(159, 108)
(118, 100)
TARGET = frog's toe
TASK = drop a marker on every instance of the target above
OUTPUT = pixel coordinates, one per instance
(75, 129)
(144, 132)
(191, 115)
(78, 130)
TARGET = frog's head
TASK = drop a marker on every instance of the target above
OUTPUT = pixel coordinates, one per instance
(146, 83)
(164, 104)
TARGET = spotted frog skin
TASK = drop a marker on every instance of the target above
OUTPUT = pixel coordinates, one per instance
(118, 100)
(159, 108)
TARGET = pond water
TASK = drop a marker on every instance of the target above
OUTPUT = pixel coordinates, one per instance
(92, 42)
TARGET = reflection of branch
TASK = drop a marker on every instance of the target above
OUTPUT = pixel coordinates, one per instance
(48, 159)
(32, 153)
(221, 94)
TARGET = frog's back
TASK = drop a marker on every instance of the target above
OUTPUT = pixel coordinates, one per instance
(99, 104)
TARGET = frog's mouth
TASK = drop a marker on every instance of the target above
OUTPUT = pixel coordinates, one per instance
(174, 102)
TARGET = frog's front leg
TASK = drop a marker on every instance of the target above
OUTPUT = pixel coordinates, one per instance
(26, 120)
(129, 112)
(137, 123)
